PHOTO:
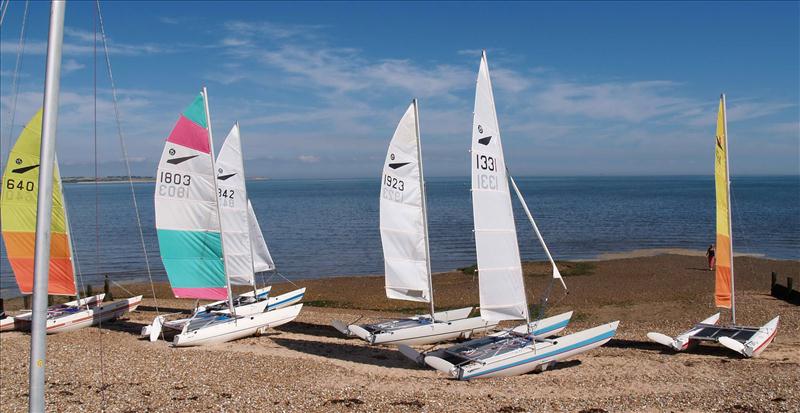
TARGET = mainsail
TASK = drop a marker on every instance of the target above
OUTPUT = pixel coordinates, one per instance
(232, 195)
(402, 216)
(262, 260)
(186, 210)
(502, 290)
(723, 293)
(18, 208)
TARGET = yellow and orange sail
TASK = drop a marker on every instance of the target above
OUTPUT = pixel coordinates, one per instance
(724, 266)
(18, 210)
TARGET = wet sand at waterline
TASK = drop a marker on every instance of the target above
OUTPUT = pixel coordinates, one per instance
(309, 366)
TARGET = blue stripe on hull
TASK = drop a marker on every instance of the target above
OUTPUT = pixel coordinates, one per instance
(584, 343)
(297, 297)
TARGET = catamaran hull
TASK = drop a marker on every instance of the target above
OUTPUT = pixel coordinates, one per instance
(538, 355)
(418, 330)
(539, 329)
(85, 318)
(237, 328)
(6, 323)
(270, 304)
(259, 294)
(431, 333)
(747, 341)
(285, 300)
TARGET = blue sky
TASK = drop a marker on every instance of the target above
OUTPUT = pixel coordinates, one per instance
(581, 88)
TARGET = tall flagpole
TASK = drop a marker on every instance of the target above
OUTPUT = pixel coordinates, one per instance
(44, 208)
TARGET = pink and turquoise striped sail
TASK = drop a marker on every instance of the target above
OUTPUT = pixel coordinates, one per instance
(186, 210)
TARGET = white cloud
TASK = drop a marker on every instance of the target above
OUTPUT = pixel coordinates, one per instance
(71, 65)
(308, 158)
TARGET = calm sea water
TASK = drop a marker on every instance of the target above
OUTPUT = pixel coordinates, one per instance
(319, 228)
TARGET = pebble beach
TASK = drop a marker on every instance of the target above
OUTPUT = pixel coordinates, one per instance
(308, 366)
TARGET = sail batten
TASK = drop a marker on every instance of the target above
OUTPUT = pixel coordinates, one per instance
(18, 209)
(402, 216)
(723, 290)
(187, 222)
(502, 290)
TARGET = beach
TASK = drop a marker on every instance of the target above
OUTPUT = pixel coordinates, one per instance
(308, 366)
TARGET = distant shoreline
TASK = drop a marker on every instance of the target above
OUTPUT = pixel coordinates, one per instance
(83, 180)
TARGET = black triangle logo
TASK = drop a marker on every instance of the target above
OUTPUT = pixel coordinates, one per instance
(176, 161)
(398, 165)
(24, 169)
(224, 177)
(485, 141)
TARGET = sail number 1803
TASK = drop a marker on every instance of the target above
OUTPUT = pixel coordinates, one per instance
(177, 185)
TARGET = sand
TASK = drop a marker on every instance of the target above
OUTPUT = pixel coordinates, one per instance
(309, 366)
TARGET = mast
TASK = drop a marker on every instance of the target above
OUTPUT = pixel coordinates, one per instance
(70, 246)
(216, 194)
(44, 208)
(728, 194)
(249, 234)
(424, 207)
(556, 273)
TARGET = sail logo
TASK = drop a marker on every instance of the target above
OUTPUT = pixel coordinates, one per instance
(176, 161)
(24, 168)
(485, 141)
(398, 165)
(225, 177)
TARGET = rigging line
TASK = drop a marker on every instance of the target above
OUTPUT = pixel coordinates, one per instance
(125, 155)
(3, 9)
(103, 401)
(280, 275)
(15, 78)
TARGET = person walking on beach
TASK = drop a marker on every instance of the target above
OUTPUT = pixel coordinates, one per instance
(711, 260)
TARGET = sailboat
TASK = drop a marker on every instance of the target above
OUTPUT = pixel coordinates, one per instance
(404, 236)
(524, 348)
(18, 206)
(747, 341)
(246, 252)
(202, 248)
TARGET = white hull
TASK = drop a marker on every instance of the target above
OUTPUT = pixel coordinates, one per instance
(519, 355)
(270, 304)
(76, 318)
(418, 330)
(747, 341)
(6, 323)
(260, 295)
(285, 300)
(225, 328)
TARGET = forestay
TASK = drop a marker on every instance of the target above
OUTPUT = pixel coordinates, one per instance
(262, 260)
(18, 209)
(232, 196)
(502, 291)
(402, 225)
(186, 210)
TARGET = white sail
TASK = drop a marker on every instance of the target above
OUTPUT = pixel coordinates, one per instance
(262, 260)
(232, 195)
(402, 220)
(502, 291)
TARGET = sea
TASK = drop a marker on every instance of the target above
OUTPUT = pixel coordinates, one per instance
(325, 228)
